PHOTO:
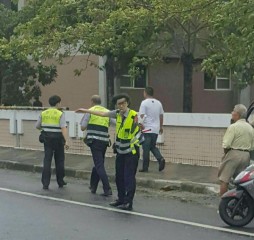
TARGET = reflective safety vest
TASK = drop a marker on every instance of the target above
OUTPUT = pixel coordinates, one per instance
(128, 134)
(50, 120)
(97, 127)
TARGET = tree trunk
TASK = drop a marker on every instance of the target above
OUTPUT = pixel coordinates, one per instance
(110, 75)
(187, 60)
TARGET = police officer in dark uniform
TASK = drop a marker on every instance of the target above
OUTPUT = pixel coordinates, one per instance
(97, 139)
(53, 128)
(127, 144)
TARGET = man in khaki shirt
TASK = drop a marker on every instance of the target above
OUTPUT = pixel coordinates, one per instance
(237, 142)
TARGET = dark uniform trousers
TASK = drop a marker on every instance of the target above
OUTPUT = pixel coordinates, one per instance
(98, 149)
(53, 146)
(126, 168)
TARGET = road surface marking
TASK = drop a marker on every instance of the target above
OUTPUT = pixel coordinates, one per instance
(194, 224)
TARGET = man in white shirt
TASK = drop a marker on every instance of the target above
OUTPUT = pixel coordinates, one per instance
(151, 115)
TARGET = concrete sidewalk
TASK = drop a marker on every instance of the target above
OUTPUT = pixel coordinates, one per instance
(191, 178)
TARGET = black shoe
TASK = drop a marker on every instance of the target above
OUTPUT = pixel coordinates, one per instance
(45, 187)
(126, 206)
(142, 170)
(92, 190)
(116, 203)
(107, 193)
(162, 164)
(63, 183)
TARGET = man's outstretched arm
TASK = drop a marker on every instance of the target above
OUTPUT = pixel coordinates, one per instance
(97, 113)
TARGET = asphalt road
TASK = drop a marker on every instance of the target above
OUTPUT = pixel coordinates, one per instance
(28, 212)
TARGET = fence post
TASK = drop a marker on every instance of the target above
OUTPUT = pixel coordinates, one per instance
(16, 129)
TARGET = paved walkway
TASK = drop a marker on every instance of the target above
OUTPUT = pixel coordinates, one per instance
(174, 176)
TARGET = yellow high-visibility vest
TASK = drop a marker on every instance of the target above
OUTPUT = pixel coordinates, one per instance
(128, 134)
(50, 120)
(97, 127)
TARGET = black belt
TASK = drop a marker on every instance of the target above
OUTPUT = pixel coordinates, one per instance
(243, 150)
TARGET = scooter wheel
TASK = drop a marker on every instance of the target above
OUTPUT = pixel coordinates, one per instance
(236, 212)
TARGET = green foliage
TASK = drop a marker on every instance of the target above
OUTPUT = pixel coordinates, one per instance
(231, 42)
(19, 79)
(6, 26)
(124, 30)
(99, 27)
(136, 66)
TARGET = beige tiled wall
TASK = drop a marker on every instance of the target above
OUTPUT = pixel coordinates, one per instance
(188, 145)
(30, 137)
(6, 138)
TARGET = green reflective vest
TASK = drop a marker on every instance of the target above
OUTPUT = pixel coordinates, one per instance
(97, 127)
(128, 134)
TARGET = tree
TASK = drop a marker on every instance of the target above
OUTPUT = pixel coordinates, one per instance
(181, 30)
(231, 42)
(119, 30)
(104, 28)
(19, 78)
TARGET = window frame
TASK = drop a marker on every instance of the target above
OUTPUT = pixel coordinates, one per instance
(133, 82)
(222, 89)
(216, 79)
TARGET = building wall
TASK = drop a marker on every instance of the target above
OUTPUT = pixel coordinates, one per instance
(75, 91)
(210, 101)
(167, 81)
(165, 78)
(136, 96)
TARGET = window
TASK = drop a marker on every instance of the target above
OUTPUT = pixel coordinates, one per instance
(212, 82)
(126, 81)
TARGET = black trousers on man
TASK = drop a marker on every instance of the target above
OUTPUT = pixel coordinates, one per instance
(53, 147)
(126, 168)
(98, 149)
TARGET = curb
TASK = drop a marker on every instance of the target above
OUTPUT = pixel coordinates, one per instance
(159, 184)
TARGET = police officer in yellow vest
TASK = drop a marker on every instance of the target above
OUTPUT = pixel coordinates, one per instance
(97, 139)
(54, 129)
(127, 144)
